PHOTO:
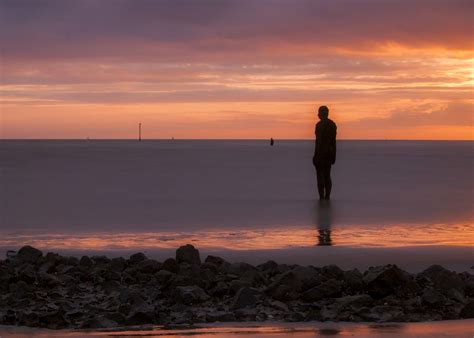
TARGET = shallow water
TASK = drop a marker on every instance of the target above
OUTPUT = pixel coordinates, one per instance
(453, 328)
(408, 202)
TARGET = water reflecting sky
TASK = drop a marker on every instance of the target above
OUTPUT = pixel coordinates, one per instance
(234, 195)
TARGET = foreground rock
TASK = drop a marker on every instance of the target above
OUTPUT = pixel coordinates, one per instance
(57, 292)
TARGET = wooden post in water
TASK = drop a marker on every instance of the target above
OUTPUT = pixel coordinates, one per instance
(139, 132)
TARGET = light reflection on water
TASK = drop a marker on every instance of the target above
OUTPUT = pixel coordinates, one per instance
(322, 233)
(455, 328)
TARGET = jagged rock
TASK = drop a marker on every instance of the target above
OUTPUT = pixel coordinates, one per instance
(444, 279)
(456, 295)
(240, 269)
(170, 265)
(190, 295)
(57, 292)
(467, 311)
(286, 287)
(308, 276)
(382, 281)
(117, 317)
(9, 318)
(148, 266)
(28, 318)
(110, 286)
(237, 284)
(246, 314)
(220, 290)
(182, 317)
(124, 309)
(295, 317)
(112, 275)
(48, 280)
(163, 276)
(28, 254)
(386, 313)
(328, 289)
(131, 296)
(27, 273)
(254, 277)
(432, 297)
(246, 297)
(353, 279)
(140, 314)
(6, 275)
(72, 261)
(98, 322)
(210, 267)
(332, 272)
(279, 305)
(85, 261)
(354, 302)
(53, 320)
(221, 264)
(118, 264)
(54, 258)
(48, 266)
(136, 258)
(188, 254)
(269, 268)
(220, 316)
(189, 270)
(101, 260)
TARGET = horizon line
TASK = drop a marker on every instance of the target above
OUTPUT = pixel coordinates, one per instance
(220, 139)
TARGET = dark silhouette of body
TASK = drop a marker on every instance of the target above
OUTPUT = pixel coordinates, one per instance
(324, 152)
(272, 141)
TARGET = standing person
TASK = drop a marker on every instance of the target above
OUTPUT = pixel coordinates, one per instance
(324, 152)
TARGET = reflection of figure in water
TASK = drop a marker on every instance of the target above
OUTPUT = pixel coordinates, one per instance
(324, 220)
(324, 152)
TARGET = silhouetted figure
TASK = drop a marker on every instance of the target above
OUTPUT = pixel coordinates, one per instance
(324, 152)
(272, 141)
(323, 222)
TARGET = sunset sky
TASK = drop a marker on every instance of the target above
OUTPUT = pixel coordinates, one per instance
(387, 69)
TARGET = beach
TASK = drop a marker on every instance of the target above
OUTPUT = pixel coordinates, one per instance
(453, 328)
(403, 202)
(89, 205)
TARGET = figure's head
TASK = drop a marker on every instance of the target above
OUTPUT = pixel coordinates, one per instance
(323, 112)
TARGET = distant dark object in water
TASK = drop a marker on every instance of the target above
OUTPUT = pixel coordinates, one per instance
(272, 142)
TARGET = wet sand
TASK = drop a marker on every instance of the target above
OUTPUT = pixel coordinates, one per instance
(454, 328)
(403, 202)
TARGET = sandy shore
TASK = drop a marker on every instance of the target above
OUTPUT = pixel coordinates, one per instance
(453, 328)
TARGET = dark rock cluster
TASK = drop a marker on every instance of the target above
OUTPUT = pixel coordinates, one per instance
(56, 292)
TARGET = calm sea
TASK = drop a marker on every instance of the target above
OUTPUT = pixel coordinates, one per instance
(403, 202)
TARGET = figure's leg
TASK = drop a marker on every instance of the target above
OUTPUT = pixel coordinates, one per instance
(327, 181)
(320, 178)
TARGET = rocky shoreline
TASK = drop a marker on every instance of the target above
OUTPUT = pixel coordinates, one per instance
(56, 292)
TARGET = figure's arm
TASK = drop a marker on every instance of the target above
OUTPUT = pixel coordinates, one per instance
(315, 144)
(334, 145)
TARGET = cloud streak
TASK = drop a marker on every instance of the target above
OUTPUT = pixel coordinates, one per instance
(184, 30)
(374, 62)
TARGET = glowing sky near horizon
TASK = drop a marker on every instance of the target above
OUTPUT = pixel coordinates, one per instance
(236, 69)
